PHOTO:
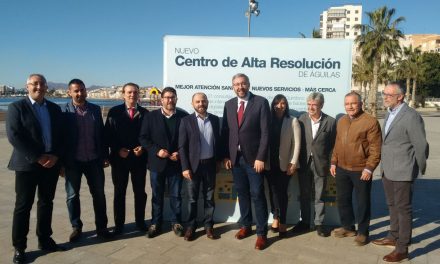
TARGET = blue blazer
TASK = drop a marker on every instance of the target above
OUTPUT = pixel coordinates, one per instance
(25, 135)
(252, 135)
(71, 132)
(189, 141)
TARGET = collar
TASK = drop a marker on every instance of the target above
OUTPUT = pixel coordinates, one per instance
(167, 116)
(35, 102)
(317, 121)
(245, 99)
(395, 109)
(199, 116)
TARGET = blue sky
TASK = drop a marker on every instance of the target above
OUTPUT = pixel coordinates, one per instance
(109, 42)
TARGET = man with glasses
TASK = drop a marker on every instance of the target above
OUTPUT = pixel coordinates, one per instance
(245, 130)
(404, 154)
(160, 136)
(33, 126)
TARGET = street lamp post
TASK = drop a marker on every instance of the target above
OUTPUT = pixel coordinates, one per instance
(253, 9)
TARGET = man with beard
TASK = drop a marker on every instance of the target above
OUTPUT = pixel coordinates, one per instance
(33, 126)
(245, 129)
(85, 154)
(160, 136)
(199, 150)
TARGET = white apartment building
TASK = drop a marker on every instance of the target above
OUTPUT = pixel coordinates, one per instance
(339, 21)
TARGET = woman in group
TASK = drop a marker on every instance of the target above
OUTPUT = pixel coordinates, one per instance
(285, 140)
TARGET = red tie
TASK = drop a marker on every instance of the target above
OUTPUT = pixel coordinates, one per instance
(131, 112)
(240, 113)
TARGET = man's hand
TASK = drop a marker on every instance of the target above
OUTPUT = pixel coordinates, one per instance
(138, 151)
(123, 153)
(366, 175)
(47, 160)
(259, 166)
(291, 168)
(333, 170)
(228, 164)
(163, 153)
(174, 156)
(187, 174)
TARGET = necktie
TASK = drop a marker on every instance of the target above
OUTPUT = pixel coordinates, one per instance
(240, 113)
(131, 112)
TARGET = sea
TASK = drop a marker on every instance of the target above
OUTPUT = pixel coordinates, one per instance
(104, 103)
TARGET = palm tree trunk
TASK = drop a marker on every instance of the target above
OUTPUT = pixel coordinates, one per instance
(364, 94)
(408, 84)
(372, 97)
(413, 99)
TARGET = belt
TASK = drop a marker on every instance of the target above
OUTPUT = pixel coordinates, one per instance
(206, 161)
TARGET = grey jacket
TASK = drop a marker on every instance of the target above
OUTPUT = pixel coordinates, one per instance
(404, 147)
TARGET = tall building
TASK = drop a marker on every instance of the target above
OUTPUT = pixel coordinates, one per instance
(425, 42)
(339, 21)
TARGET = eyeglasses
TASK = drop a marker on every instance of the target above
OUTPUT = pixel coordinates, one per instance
(240, 84)
(35, 84)
(389, 95)
(169, 98)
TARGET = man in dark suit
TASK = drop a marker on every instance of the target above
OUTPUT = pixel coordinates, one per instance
(85, 154)
(319, 132)
(122, 130)
(33, 126)
(404, 154)
(200, 156)
(160, 136)
(246, 120)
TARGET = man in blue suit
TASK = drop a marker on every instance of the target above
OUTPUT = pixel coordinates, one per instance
(85, 154)
(404, 154)
(200, 156)
(160, 136)
(33, 126)
(245, 129)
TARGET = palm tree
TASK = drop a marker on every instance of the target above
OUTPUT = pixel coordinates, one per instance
(363, 74)
(416, 66)
(379, 40)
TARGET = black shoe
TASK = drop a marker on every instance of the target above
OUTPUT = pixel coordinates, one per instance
(75, 235)
(153, 231)
(300, 228)
(178, 230)
(49, 245)
(118, 230)
(19, 256)
(104, 234)
(321, 231)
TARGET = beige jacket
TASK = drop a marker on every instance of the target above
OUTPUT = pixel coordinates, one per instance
(290, 143)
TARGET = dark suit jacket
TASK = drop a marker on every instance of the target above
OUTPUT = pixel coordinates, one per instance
(321, 146)
(123, 132)
(71, 132)
(252, 135)
(189, 141)
(25, 135)
(153, 137)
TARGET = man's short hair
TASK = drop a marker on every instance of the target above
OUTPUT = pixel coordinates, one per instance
(78, 82)
(130, 84)
(399, 87)
(353, 93)
(199, 93)
(238, 75)
(316, 97)
(168, 90)
(36, 75)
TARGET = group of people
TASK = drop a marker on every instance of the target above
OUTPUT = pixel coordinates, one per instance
(255, 141)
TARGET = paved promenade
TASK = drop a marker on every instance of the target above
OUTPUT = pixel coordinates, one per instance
(134, 247)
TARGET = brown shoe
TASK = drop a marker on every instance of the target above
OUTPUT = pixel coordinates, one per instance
(261, 242)
(342, 232)
(361, 240)
(396, 256)
(243, 233)
(210, 233)
(385, 242)
(189, 234)
(75, 235)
